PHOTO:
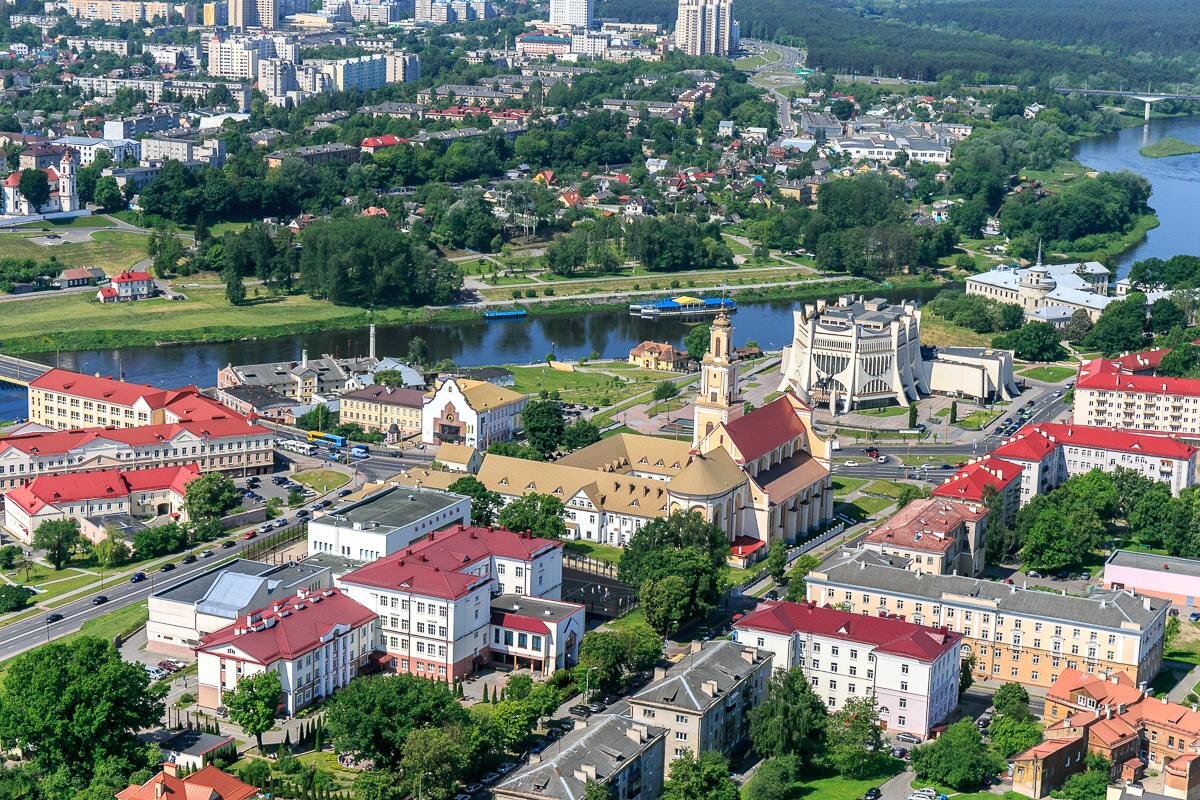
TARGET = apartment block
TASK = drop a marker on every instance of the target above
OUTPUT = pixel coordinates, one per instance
(705, 27)
(935, 536)
(911, 670)
(973, 483)
(1016, 634)
(395, 412)
(1109, 394)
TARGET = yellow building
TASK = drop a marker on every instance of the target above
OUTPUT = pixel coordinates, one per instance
(395, 412)
(659, 356)
(719, 401)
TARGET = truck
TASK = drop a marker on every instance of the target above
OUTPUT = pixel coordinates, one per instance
(360, 451)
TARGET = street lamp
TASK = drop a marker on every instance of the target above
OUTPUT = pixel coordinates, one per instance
(587, 684)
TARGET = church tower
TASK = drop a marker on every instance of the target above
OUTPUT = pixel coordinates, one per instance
(68, 200)
(719, 400)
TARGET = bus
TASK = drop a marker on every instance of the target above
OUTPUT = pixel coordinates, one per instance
(295, 446)
(327, 438)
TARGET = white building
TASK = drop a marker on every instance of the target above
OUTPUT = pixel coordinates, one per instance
(174, 56)
(386, 521)
(1050, 453)
(317, 642)
(575, 13)
(434, 596)
(705, 27)
(535, 633)
(1076, 286)
(86, 148)
(474, 413)
(81, 43)
(362, 73)
(64, 197)
(911, 670)
(238, 56)
(1116, 393)
(882, 148)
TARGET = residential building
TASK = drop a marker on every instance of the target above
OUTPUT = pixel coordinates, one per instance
(300, 380)
(623, 756)
(934, 536)
(130, 10)
(79, 276)
(132, 127)
(173, 56)
(315, 155)
(215, 14)
(476, 413)
(181, 616)
(86, 148)
(1167, 577)
(658, 355)
(705, 27)
(157, 149)
(317, 642)
(533, 44)
(972, 484)
(247, 400)
(154, 88)
(434, 596)
(1016, 634)
(79, 44)
(911, 670)
(140, 493)
(208, 783)
(573, 13)
(402, 66)
(534, 633)
(233, 446)
(361, 73)
(1050, 453)
(395, 412)
(66, 400)
(128, 285)
(1109, 395)
(385, 522)
(1046, 766)
(704, 699)
(245, 14)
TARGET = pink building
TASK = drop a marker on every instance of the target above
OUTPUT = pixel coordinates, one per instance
(1165, 577)
(911, 670)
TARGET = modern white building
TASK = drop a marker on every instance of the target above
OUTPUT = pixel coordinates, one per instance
(316, 641)
(575, 13)
(386, 521)
(705, 27)
(911, 670)
(434, 597)
(86, 148)
(1050, 453)
(474, 413)
(535, 633)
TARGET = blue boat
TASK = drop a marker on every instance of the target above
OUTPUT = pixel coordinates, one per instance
(683, 306)
(505, 313)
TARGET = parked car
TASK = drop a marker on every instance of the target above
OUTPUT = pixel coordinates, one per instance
(899, 752)
(344, 492)
(872, 794)
(137, 577)
(1194, 616)
(1033, 573)
(167, 567)
(908, 738)
(596, 707)
(52, 618)
(490, 778)
(580, 711)
(168, 665)
(927, 791)
(99, 600)
(155, 673)
(302, 514)
(506, 767)
(280, 523)
(772, 595)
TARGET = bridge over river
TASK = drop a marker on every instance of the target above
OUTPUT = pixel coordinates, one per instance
(1149, 98)
(20, 371)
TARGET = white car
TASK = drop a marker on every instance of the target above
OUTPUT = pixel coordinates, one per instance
(850, 464)
(882, 459)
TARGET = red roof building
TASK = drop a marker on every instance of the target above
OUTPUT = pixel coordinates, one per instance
(1116, 393)
(373, 144)
(65, 400)
(208, 783)
(937, 536)
(973, 484)
(317, 641)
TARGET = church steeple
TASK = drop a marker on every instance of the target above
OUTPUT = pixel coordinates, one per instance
(719, 400)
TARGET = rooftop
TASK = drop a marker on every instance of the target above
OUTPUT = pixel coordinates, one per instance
(1155, 563)
(969, 482)
(194, 589)
(1034, 442)
(1103, 373)
(928, 524)
(524, 612)
(108, 390)
(46, 490)
(409, 398)
(765, 428)
(721, 664)
(393, 507)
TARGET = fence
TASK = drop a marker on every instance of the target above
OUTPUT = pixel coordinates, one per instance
(795, 552)
(591, 565)
(273, 541)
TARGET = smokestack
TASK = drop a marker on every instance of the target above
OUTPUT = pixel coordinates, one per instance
(304, 357)
(371, 349)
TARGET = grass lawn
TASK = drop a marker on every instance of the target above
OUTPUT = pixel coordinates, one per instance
(1169, 146)
(40, 574)
(68, 584)
(873, 505)
(600, 552)
(941, 332)
(839, 787)
(112, 251)
(322, 480)
(885, 488)
(978, 419)
(119, 622)
(635, 617)
(94, 221)
(586, 386)
(688, 282)
(327, 760)
(886, 411)
(1049, 374)
(844, 486)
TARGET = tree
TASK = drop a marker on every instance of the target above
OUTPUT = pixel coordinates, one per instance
(14, 598)
(953, 411)
(518, 687)
(797, 587)
(72, 705)
(1012, 700)
(390, 377)
(579, 434)
(643, 647)
(111, 551)
(1165, 314)
(1121, 327)
(908, 493)
(1012, 735)
(166, 249)
(373, 716)
(912, 416)
(703, 778)
(9, 554)
(378, 784)
(252, 704)
(35, 188)
(235, 290)
(665, 390)
(543, 422)
(542, 514)
(681, 530)
(965, 675)
(696, 341)
(108, 195)
(58, 537)
(853, 738)
(418, 352)
(319, 419)
(210, 497)
(666, 603)
(774, 778)
(434, 760)
(790, 721)
(594, 790)
(604, 654)
(958, 758)
(1078, 327)
(777, 560)
(1035, 341)
(1091, 784)
(484, 502)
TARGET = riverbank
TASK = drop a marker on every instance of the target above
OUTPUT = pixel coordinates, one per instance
(1169, 147)
(69, 323)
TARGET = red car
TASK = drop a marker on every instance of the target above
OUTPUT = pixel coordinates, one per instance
(249, 534)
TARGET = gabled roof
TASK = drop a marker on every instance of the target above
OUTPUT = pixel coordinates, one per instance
(885, 634)
(722, 662)
(930, 524)
(969, 482)
(131, 276)
(208, 783)
(1104, 374)
(766, 428)
(1044, 437)
(108, 390)
(55, 490)
(62, 442)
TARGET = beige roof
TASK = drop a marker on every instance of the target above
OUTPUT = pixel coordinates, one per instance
(713, 473)
(427, 478)
(633, 453)
(484, 396)
(455, 453)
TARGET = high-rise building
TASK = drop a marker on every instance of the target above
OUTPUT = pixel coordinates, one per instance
(705, 27)
(253, 13)
(577, 13)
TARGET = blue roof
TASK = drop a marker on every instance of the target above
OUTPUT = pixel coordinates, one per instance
(709, 302)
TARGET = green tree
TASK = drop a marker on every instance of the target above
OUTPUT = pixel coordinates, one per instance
(14, 598)
(543, 422)
(252, 704)
(796, 585)
(958, 758)
(912, 416)
(378, 784)
(484, 502)
(790, 721)
(72, 705)
(1035, 341)
(108, 194)
(235, 290)
(908, 493)
(111, 551)
(774, 779)
(666, 603)
(1012, 700)
(1012, 735)
(966, 675)
(1091, 784)
(853, 738)
(167, 250)
(703, 778)
(777, 560)
(681, 530)
(519, 686)
(390, 377)
(1121, 327)
(542, 514)
(319, 419)
(665, 390)
(9, 554)
(35, 188)
(210, 497)
(581, 433)
(953, 411)
(604, 654)
(594, 790)
(434, 760)
(418, 352)
(59, 538)
(643, 647)
(696, 341)
(1078, 327)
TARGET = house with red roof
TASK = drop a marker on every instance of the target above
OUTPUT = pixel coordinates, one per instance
(373, 144)
(139, 493)
(316, 641)
(911, 670)
(936, 536)
(208, 783)
(974, 483)
(438, 599)
(1049, 453)
(128, 285)
(1118, 393)
(64, 400)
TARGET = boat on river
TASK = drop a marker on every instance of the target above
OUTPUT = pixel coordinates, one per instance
(682, 306)
(505, 313)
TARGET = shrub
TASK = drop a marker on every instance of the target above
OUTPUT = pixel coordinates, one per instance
(531, 292)
(548, 291)
(516, 294)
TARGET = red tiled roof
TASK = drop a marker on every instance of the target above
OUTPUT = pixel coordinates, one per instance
(518, 622)
(929, 524)
(108, 291)
(1104, 374)
(1035, 442)
(290, 629)
(885, 634)
(387, 140)
(129, 276)
(745, 545)
(1047, 748)
(46, 490)
(61, 442)
(107, 389)
(208, 783)
(1141, 360)
(969, 482)
(432, 566)
(1115, 690)
(766, 428)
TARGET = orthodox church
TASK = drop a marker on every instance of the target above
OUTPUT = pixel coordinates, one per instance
(64, 197)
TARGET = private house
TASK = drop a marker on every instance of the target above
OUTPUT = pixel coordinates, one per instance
(208, 783)
(127, 285)
(658, 356)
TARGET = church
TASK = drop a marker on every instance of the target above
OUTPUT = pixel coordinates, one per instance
(759, 476)
(64, 197)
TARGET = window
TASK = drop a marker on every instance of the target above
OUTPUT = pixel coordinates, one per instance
(904, 669)
(680, 719)
(648, 713)
(681, 736)
(900, 721)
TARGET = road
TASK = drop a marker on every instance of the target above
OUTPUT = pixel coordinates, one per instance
(790, 58)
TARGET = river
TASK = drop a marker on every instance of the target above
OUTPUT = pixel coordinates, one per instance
(611, 333)
(1176, 182)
